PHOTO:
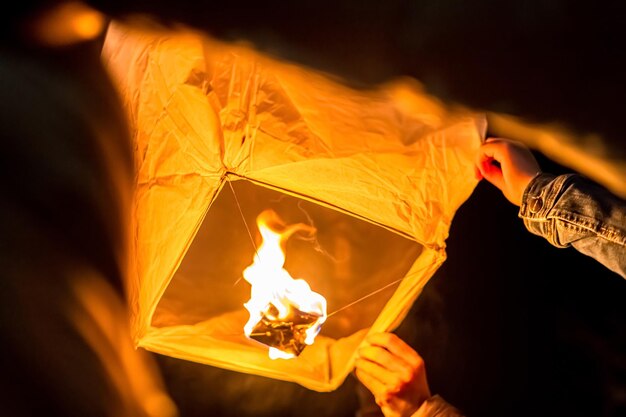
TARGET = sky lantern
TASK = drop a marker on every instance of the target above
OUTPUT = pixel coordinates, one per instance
(280, 215)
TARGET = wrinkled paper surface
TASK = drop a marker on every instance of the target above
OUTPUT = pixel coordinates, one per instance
(202, 111)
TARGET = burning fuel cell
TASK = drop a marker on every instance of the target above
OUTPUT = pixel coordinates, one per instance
(285, 314)
(288, 335)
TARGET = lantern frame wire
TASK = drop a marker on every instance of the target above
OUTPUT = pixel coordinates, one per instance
(256, 251)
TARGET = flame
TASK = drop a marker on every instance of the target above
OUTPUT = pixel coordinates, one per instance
(274, 293)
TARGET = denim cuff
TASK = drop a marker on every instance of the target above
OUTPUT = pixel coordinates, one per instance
(539, 198)
(436, 406)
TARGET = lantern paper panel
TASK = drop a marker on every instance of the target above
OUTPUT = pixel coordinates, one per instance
(379, 173)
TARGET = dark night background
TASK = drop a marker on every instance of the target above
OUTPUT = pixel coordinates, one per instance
(509, 325)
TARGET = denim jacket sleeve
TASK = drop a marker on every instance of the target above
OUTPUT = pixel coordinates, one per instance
(569, 210)
(436, 407)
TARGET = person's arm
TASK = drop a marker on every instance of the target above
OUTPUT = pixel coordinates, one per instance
(570, 210)
(567, 210)
(396, 376)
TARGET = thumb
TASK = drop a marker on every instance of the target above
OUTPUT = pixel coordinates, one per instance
(492, 173)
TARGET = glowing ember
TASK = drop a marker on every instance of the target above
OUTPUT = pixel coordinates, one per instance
(284, 313)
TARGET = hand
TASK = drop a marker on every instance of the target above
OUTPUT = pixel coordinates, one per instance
(508, 165)
(394, 373)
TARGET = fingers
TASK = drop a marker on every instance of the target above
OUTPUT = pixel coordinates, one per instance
(490, 170)
(507, 164)
(384, 367)
(388, 363)
(496, 150)
(509, 154)
(394, 373)
(489, 161)
(385, 386)
(397, 347)
(370, 375)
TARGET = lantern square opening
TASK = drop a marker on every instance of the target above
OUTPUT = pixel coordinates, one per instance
(356, 265)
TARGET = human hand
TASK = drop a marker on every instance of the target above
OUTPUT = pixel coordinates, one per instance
(508, 165)
(394, 373)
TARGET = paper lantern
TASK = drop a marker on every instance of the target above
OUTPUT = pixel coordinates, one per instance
(223, 133)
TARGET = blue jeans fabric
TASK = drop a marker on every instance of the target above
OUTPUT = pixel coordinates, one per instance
(570, 210)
